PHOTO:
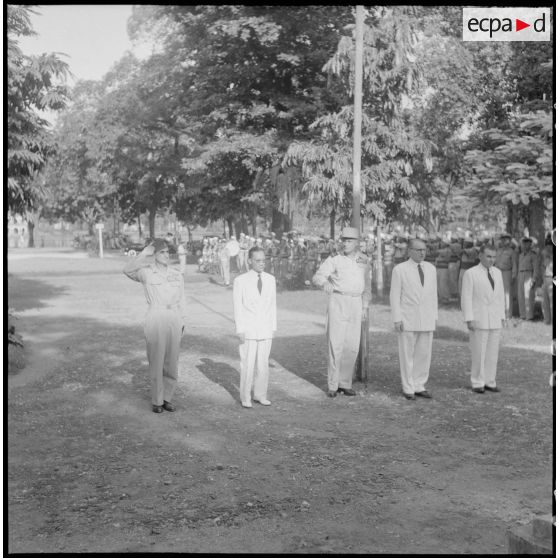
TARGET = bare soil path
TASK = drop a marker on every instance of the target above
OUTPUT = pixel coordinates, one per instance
(92, 469)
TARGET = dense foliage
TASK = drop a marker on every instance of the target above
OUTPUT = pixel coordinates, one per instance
(244, 112)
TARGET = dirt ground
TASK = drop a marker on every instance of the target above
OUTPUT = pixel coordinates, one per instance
(92, 469)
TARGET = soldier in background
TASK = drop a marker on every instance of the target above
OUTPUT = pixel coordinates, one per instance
(242, 258)
(506, 262)
(469, 258)
(268, 251)
(453, 268)
(312, 260)
(387, 259)
(442, 272)
(526, 275)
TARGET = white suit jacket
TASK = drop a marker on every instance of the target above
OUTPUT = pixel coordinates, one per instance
(411, 303)
(255, 314)
(479, 302)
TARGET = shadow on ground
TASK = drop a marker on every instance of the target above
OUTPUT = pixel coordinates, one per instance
(25, 294)
(222, 374)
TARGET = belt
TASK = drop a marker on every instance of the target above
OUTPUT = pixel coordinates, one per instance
(525, 270)
(346, 294)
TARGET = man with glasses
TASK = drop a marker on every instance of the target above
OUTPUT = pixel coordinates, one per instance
(346, 279)
(414, 307)
(164, 323)
(483, 302)
(255, 316)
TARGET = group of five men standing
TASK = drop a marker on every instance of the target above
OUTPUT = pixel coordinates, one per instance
(345, 277)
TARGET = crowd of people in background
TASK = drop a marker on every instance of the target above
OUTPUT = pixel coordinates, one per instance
(526, 266)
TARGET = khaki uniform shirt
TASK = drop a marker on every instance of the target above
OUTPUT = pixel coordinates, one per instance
(347, 274)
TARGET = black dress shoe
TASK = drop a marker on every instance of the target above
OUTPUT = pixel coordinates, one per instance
(168, 406)
(478, 390)
(157, 408)
(409, 396)
(331, 393)
(494, 389)
(346, 391)
(424, 393)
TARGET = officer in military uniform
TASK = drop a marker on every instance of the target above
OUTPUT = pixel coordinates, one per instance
(164, 322)
(527, 269)
(506, 262)
(346, 279)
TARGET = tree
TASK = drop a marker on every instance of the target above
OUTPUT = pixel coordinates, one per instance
(389, 151)
(244, 76)
(33, 85)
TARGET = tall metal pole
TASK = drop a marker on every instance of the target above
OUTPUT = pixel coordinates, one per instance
(361, 367)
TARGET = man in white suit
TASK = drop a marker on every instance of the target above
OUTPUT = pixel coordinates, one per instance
(483, 303)
(414, 308)
(255, 316)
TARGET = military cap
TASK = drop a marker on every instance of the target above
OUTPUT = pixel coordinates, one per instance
(159, 244)
(350, 232)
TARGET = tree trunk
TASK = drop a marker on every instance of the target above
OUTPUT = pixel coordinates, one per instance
(152, 214)
(30, 229)
(231, 226)
(332, 223)
(536, 220)
(280, 223)
(139, 226)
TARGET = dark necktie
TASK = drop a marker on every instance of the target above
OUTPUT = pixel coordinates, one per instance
(260, 282)
(421, 275)
(490, 278)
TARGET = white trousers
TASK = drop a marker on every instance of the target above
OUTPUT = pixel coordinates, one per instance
(415, 354)
(254, 368)
(484, 356)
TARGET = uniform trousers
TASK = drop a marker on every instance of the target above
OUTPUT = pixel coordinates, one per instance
(453, 276)
(254, 368)
(162, 329)
(484, 356)
(442, 280)
(548, 300)
(508, 293)
(182, 263)
(344, 316)
(525, 295)
(415, 354)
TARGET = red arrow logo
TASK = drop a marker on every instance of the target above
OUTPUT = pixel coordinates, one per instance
(519, 25)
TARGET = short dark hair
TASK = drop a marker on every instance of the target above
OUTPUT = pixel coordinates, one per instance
(413, 242)
(255, 249)
(485, 247)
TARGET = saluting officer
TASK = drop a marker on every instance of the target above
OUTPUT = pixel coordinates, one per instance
(164, 322)
(346, 279)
